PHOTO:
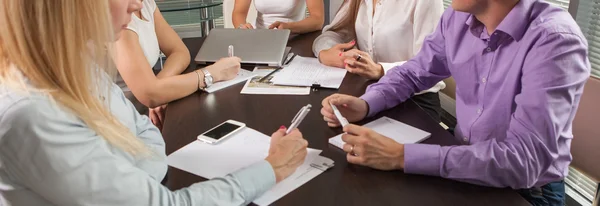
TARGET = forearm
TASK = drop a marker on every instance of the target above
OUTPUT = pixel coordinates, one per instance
(310, 24)
(239, 18)
(175, 64)
(168, 89)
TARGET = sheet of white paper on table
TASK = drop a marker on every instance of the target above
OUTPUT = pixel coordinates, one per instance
(242, 75)
(304, 71)
(252, 85)
(398, 131)
(245, 148)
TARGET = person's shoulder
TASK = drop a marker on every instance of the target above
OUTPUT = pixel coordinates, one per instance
(454, 20)
(26, 107)
(549, 20)
(150, 5)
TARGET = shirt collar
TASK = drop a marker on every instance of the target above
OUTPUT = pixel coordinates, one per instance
(514, 24)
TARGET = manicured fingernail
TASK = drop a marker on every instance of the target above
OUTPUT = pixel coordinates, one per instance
(282, 127)
(353, 41)
(345, 65)
(341, 53)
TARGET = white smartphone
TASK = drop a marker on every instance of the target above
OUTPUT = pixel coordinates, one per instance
(221, 132)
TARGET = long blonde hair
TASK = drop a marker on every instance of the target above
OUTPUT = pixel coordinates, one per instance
(56, 45)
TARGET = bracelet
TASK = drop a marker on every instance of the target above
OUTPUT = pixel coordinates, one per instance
(198, 74)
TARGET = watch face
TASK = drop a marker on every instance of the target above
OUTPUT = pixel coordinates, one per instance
(208, 80)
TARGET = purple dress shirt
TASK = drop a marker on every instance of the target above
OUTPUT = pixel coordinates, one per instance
(517, 91)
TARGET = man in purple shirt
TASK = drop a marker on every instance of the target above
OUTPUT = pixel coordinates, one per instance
(519, 67)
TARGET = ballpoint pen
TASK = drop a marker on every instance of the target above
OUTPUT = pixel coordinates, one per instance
(298, 118)
(338, 115)
(230, 50)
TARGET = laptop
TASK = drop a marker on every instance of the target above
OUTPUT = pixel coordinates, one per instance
(263, 47)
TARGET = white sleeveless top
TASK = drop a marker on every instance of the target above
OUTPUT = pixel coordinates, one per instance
(144, 28)
(270, 11)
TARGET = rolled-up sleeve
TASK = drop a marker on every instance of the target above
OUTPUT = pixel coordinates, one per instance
(539, 133)
(420, 73)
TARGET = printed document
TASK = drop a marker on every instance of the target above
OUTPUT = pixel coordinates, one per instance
(254, 86)
(304, 71)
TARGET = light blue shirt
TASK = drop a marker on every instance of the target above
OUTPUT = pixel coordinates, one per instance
(50, 157)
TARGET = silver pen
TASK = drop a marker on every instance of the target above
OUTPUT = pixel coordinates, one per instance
(230, 50)
(298, 118)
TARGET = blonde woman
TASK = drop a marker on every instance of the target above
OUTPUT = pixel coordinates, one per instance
(138, 50)
(370, 37)
(70, 137)
(281, 14)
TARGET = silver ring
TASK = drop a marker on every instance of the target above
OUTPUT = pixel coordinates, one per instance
(358, 58)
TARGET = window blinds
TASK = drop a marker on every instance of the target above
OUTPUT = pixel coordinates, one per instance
(588, 18)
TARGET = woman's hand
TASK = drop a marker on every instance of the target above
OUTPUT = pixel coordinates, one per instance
(245, 26)
(280, 25)
(361, 63)
(287, 152)
(157, 116)
(225, 69)
(334, 56)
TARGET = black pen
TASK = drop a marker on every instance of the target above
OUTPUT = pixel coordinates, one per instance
(273, 72)
(290, 60)
(267, 76)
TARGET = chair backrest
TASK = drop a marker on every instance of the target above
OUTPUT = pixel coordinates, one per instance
(585, 147)
(228, 10)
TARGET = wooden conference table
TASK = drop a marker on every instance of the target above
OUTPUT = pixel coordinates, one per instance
(344, 184)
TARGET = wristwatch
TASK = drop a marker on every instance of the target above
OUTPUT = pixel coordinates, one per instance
(208, 78)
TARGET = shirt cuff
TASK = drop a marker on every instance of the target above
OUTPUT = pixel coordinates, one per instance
(375, 100)
(388, 66)
(423, 159)
(256, 179)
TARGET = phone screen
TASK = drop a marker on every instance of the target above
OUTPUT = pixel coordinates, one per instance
(221, 131)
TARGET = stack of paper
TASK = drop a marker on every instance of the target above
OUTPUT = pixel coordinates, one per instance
(254, 86)
(245, 148)
(398, 131)
(303, 71)
(242, 75)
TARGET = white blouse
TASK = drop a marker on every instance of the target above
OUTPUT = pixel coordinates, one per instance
(144, 28)
(391, 35)
(270, 11)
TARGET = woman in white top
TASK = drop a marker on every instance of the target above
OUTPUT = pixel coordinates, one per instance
(70, 137)
(138, 51)
(382, 34)
(281, 14)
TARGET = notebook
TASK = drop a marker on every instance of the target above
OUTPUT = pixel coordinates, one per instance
(398, 131)
(307, 72)
(242, 75)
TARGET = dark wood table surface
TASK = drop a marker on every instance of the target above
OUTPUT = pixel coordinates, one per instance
(344, 184)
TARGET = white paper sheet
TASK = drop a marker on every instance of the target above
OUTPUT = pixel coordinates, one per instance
(242, 75)
(245, 148)
(398, 131)
(252, 85)
(303, 71)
